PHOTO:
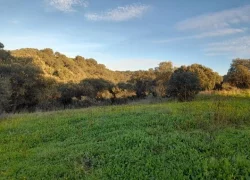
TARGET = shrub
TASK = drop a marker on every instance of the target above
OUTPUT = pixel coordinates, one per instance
(183, 86)
(1, 45)
(238, 75)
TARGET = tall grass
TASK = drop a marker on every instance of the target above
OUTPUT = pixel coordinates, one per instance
(233, 92)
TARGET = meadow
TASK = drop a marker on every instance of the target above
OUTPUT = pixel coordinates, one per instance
(208, 138)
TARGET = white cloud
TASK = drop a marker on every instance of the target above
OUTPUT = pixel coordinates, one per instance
(67, 5)
(216, 20)
(220, 32)
(219, 24)
(209, 34)
(120, 13)
(237, 47)
(223, 23)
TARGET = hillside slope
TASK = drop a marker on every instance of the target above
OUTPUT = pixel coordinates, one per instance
(205, 139)
(65, 69)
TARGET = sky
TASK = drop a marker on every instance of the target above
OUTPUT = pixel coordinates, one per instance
(132, 34)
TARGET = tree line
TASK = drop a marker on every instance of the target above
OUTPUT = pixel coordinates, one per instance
(33, 79)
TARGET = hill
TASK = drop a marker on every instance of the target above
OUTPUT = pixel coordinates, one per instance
(205, 139)
(64, 69)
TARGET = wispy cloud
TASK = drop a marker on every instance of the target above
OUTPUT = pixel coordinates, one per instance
(216, 33)
(223, 23)
(67, 5)
(216, 20)
(220, 32)
(122, 13)
(237, 47)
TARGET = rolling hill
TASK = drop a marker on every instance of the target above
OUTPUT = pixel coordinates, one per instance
(64, 69)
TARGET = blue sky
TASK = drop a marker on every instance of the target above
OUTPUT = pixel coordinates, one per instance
(132, 35)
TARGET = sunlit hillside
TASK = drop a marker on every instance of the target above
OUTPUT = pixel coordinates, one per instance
(64, 69)
(125, 89)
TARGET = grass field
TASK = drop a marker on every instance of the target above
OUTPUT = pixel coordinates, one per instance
(205, 139)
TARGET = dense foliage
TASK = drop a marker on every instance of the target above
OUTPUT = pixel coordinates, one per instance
(239, 73)
(33, 79)
(207, 78)
(64, 69)
(23, 85)
(1, 45)
(183, 85)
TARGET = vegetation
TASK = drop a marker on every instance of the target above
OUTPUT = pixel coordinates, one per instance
(204, 139)
(163, 75)
(208, 138)
(239, 73)
(1, 45)
(23, 85)
(45, 80)
(183, 85)
(207, 78)
(64, 69)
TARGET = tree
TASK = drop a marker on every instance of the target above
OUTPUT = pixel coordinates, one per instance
(5, 57)
(1, 45)
(163, 74)
(218, 86)
(65, 69)
(142, 82)
(5, 93)
(239, 73)
(28, 87)
(79, 58)
(183, 85)
(23, 83)
(125, 86)
(67, 93)
(207, 77)
(48, 51)
(95, 85)
(165, 67)
(142, 88)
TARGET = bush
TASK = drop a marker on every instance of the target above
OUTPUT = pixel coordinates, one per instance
(183, 86)
(239, 75)
(1, 45)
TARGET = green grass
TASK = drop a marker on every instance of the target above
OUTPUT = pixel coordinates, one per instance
(204, 139)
